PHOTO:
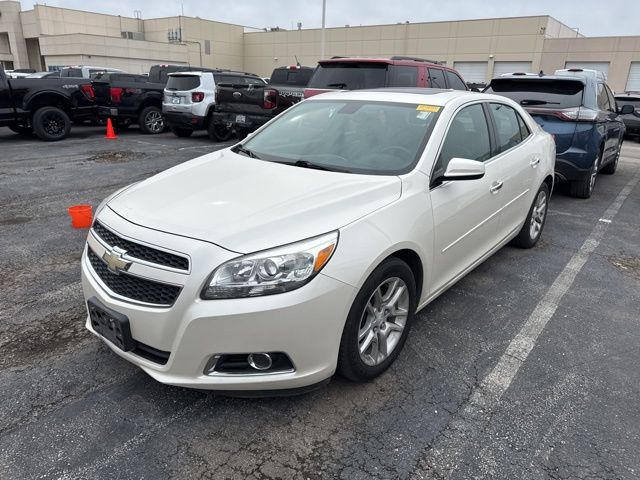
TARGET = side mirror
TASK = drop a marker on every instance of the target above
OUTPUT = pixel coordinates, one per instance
(626, 109)
(464, 169)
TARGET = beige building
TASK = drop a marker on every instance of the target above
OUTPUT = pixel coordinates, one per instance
(47, 38)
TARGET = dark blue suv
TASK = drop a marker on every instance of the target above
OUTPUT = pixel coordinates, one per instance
(577, 107)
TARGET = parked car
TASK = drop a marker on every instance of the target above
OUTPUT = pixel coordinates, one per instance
(44, 106)
(85, 71)
(309, 247)
(340, 73)
(128, 99)
(632, 118)
(577, 107)
(190, 98)
(246, 106)
(44, 75)
(160, 73)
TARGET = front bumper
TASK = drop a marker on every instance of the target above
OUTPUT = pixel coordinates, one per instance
(306, 324)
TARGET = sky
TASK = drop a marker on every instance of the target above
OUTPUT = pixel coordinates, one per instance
(591, 17)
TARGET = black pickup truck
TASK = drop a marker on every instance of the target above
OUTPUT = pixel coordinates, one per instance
(245, 108)
(46, 106)
(128, 99)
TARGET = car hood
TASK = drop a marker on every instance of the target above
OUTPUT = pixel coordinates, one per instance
(246, 205)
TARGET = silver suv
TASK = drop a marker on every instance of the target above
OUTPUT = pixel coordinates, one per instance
(189, 100)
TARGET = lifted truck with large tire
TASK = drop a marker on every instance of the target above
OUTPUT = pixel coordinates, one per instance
(46, 106)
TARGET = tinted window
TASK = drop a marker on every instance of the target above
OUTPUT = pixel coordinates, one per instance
(468, 137)
(507, 126)
(545, 93)
(350, 75)
(71, 72)
(436, 78)
(402, 76)
(285, 76)
(183, 82)
(603, 98)
(362, 137)
(612, 100)
(633, 101)
(524, 130)
(455, 81)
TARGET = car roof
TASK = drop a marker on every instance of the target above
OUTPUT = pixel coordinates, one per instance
(393, 60)
(542, 78)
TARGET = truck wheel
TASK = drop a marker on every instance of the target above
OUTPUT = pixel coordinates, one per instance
(218, 132)
(151, 121)
(21, 129)
(181, 132)
(51, 124)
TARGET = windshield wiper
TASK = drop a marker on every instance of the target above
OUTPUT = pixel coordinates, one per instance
(537, 102)
(337, 85)
(244, 151)
(317, 166)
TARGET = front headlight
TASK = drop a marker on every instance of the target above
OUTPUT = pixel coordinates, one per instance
(272, 271)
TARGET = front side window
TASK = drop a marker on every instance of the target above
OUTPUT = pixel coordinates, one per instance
(436, 78)
(356, 136)
(468, 137)
(508, 129)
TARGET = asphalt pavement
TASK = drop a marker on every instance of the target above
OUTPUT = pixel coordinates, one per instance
(525, 369)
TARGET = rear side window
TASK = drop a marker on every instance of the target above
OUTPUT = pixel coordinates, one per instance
(436, 78)
(350, 75)
(468, 137)
(402, 76)
(545, 93)
(455, 81)
(603, 98)
(183, 82)
(508, 126)
(71, 72)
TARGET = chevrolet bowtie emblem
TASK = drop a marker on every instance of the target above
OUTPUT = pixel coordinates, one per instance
(115, 261)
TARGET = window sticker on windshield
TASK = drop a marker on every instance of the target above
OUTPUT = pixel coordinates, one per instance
(428, 108)
(423, 115)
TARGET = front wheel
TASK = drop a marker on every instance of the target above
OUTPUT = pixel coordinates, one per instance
(151, 121)
(378, 322)
(533, 225)
(218, 132)
(51, 124)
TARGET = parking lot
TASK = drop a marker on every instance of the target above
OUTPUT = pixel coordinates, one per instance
(527, 368)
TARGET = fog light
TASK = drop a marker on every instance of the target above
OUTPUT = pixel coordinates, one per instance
(260, 361)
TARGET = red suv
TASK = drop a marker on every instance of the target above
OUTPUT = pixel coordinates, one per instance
(340, 73)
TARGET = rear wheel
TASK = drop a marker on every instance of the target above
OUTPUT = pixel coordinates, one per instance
(218, 132)
(378, 322)
(151, 120)
(181, 132)
(583, 188)
(533, 225)
(51, 124)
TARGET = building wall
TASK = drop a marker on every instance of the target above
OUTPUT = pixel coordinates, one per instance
(61, 21)
(619, 51)
(11, 27)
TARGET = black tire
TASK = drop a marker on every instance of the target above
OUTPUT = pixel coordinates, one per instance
(350, 362)
(181, 132)
(583, 188)
(51, 124)
(529, 235)
(21, 129)
(611, 167)
(151, 121)
(218, 132)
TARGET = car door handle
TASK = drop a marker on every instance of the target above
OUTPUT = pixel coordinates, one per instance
(534, 163)
(495, 187)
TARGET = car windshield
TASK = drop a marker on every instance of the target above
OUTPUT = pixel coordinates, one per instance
(349, 75)
(545, 93)
(354, 136)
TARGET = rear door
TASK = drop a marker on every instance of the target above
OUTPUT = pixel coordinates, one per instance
(466, 213)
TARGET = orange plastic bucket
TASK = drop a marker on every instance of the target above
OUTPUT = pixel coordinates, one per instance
(81, 216)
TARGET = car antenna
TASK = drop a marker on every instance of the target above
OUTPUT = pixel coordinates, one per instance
(541, 74)
(297, 62)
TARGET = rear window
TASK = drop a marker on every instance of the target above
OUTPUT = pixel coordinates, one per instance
(539, 93)
(183, 82)
(71, 72)
(349, 75)
(294, 76)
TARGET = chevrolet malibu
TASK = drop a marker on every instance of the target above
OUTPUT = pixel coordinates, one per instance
(308, 248)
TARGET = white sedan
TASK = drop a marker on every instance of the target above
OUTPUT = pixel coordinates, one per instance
(308, 248)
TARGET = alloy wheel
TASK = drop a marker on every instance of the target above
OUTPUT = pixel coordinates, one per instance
(53, 124)
(383, 321)
(154, 122)
(537, 215)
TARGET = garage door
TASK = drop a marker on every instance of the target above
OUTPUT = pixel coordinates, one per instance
(472, 72)
(600, 66)
(633, 82)
(509, 67)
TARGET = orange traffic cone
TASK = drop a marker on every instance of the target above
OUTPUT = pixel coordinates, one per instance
(111, 134)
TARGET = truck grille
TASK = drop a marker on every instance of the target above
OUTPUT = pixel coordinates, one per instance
(135, 288)
(141, 252)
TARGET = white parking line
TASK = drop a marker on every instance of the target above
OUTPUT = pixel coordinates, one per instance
(443, 456)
